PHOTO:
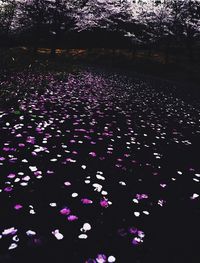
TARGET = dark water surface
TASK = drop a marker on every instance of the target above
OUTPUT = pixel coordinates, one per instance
(98, 167)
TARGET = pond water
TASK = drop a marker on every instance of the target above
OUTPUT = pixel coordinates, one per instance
(97, 167)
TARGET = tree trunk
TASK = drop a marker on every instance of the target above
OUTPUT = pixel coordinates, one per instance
(133, 51)
(89, 50)
(189, 47)
(36, 38)
(53, 51)
(56, 39)
(113, 51)
(35, 49)
(167, 52)
(149, 51)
